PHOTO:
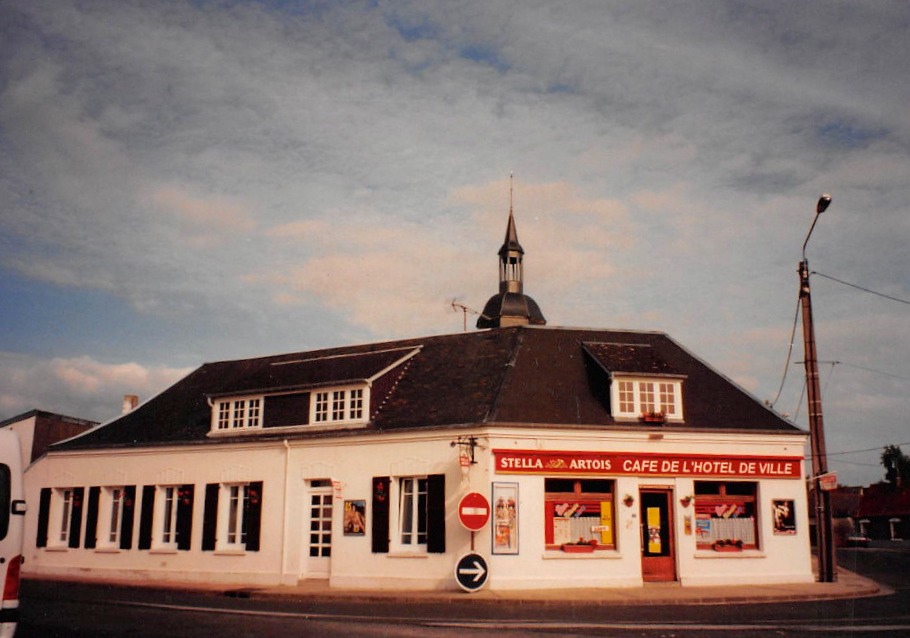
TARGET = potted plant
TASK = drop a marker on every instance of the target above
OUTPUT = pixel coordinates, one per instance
(653, 417)
(685, 501)
(628, 500)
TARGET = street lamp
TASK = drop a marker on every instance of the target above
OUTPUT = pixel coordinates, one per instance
(827, 561)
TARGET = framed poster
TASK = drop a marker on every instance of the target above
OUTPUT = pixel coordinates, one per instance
(355, 518)
(505, 518)
(784, 517)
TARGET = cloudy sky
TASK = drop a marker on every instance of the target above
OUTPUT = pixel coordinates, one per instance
(183, 182)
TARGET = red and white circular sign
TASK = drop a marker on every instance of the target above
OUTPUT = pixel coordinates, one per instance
(474, 511)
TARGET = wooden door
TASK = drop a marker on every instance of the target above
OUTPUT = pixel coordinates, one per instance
(658, 555)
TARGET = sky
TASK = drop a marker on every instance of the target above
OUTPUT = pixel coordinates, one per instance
(184, 182)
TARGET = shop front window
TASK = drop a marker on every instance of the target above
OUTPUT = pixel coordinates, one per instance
(579, 512)
(725, 515)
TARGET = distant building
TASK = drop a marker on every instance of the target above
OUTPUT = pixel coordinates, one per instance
(38, 429)
(884, 512)
(608, 458)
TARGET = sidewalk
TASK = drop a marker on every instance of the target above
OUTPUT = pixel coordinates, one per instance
(848, 585)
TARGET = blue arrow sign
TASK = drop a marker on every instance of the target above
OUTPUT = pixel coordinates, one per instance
(471, 572)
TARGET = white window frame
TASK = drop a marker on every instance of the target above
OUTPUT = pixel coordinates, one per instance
(406, 492)
(232, 507)
(237, 414)
(60, 520)
(110, 516)
(346, 404)
(165, 517)
(648, 387)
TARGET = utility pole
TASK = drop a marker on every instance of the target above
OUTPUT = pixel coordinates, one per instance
(827, 560)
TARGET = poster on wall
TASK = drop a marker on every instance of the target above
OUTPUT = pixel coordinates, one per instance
(355, 518)
(784, 517)
(505, 518)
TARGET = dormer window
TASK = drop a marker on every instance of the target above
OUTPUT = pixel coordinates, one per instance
(235, 414)
(340, 405)
(653, 400)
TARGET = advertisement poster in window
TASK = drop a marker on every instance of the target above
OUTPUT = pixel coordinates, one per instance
(784, 517)
(355, 518)
(505, 518)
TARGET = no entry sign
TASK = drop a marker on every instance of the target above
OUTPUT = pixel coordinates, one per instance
(474, 511)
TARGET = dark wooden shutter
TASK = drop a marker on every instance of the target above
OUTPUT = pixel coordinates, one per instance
(436, 513)
(185, 516)
(145, 517)
(210, 517)
(380, 524)
(252, 517)
(44, 510)
(91, 518)
(129, 513)
(76, 517)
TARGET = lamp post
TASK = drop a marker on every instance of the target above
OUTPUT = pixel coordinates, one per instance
(827, 561)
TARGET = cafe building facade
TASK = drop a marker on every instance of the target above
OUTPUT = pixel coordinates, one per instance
(608, 458)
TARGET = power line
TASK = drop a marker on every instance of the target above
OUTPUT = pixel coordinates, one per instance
(887, 374)
(789, 354)
(846, 283)
(869, 449)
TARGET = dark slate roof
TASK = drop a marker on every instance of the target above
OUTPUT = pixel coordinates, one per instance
(534, 376)
(884, 499)
(310, 370)
(632, 358)
(510, 304)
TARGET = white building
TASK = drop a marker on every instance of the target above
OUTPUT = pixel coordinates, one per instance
(610, 458)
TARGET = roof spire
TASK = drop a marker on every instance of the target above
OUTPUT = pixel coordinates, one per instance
(511, 307)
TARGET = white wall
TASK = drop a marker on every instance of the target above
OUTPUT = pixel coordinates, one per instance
(286, 468)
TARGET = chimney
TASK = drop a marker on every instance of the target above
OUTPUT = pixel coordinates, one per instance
(130, 401)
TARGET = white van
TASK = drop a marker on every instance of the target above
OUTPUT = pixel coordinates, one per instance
(12, 521)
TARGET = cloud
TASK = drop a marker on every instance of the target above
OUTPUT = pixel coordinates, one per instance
(205, 219)
(255, 176)
(81, 386)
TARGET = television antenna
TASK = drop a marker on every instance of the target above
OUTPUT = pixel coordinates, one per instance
(464, 312)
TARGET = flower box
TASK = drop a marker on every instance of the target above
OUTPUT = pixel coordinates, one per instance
(727, 546)
(571, 548)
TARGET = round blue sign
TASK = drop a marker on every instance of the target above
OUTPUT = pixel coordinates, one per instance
(471, 572)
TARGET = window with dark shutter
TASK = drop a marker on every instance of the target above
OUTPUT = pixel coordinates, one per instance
(145, 517)
(126, 525)
(436, 513)
(380, 515)
(91, 518)
(210, 517)
(252, 518)
(184, 516)
(44, 512)
(75, 533)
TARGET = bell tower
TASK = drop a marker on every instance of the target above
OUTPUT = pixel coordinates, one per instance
(511, 307)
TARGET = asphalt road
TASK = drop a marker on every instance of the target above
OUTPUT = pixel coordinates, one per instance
(79, 610)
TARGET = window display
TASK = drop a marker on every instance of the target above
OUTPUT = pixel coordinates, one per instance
(579, 514)
(725, 515)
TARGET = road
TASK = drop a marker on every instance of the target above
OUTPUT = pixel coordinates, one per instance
(79, 610)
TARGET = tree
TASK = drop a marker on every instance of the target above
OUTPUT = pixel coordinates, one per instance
(897, 466)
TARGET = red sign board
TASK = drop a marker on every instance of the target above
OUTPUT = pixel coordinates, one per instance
(646, 464)
(474, 511)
